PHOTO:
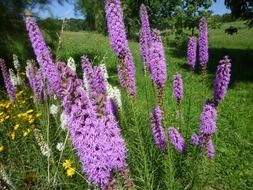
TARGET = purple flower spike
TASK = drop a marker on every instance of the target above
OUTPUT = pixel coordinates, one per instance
(194, 139)
(38, 85)
(126, 73)
(87, 73)
(176, 139)
(203, 42)
(119, 43)
(222, 79)
(157, 128)
(145, 35)
(210, 152)
(116, 26)
(114, 138)
(178, 87)
(157, 60)
(11, 89)
(43, 55)
(191, 52)
(208, 120)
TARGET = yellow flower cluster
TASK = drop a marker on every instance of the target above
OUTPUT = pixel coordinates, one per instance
(70, 170)
(18, 116)
(1, 148)
(5, 107)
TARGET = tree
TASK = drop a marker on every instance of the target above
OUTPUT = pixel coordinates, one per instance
(93, 11)
(241, 9)
(13, 35)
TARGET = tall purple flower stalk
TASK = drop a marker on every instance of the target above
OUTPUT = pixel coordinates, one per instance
(126, 73)
(119, 43)
(11, 89)
(38, 87)
(87, 72)
(36, 80)
(145, 35)
(157, 60)
(206, 130)
(157, 128)
(178, 87)
(222, 79)
(86, 130)
(203, 42)
(98, 141)
(116, 27)
(43, 55)
(176, 139)
(210, 151)
(208, 119)
(96, 84)
(191, 52)
(157, 65)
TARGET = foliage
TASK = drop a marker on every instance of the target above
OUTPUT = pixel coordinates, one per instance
(241, 8)
(13, 38)
(173, 14)
(151, 169)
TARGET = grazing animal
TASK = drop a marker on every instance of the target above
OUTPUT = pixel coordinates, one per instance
(231, 30)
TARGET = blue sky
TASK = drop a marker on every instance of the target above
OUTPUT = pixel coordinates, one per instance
(67, 10)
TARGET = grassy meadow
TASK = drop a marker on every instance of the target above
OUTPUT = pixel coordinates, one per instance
(150, 169)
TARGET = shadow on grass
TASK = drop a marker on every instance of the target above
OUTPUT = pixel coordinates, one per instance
(242, 63)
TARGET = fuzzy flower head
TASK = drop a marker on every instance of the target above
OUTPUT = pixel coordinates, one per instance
(16, 62)
(157, 128)
(53, 109)
(157, 60)
(116, 26)
(15, 79)
(64, 121)
(43, 55)
(104, 70)
(60, 146)
(208, 119)
(195, 139)
(11, 89)
(191, 52)
(126, 73)
(176, 139)
(222, 79)
(203, 42)
(44, 147)
(178, 87)
(71, 63)
(209, 149)
(145, 34)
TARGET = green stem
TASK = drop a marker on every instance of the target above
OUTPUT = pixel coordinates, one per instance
(142, 148)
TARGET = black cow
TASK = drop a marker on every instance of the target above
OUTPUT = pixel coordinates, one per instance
(231, 30)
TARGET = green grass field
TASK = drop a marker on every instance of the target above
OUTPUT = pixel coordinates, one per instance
(231, 168)
(150, 169)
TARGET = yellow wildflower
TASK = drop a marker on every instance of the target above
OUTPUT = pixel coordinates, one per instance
(29, 111)
(38, 115)
(8, 105)
(67, 164)
(7, 117)
(26, 132)
(70, 172)
(16, 127)
(13, 135)
(1, 148)
(31, 121)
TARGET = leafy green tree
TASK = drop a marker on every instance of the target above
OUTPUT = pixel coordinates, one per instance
(13, 35)
(241, 9)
